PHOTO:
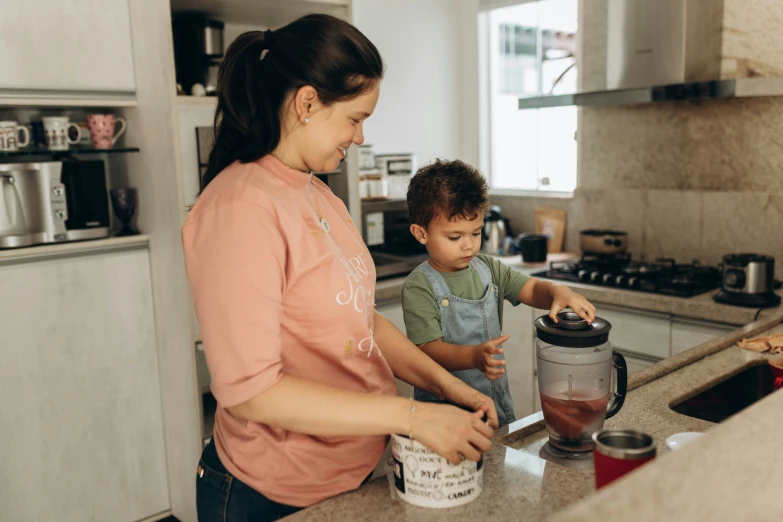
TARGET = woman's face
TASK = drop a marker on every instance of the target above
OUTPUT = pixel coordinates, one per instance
(323, 141)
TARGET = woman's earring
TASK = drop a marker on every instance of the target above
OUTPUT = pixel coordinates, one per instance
(307, 120)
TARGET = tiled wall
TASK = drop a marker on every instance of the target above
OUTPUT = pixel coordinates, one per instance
(686, 180)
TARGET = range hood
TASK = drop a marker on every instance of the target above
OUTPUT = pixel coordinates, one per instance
(662, 51)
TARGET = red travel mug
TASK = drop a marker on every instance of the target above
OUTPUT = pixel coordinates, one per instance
(619, 451)
(776, 365)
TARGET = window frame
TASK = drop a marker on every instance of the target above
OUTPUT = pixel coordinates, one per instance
(485, 49)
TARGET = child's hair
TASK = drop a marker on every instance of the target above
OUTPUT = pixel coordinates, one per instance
(451, 188)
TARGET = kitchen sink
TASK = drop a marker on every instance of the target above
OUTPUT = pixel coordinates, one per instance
(730, 396)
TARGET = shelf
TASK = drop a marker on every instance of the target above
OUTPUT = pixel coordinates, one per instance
(64, 100)
(75, 149)
(701, 91)
(384, 205)
(198, 101)
(271, 14)
(72, 248)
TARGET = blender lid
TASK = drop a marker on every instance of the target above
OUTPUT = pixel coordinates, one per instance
(572, 331)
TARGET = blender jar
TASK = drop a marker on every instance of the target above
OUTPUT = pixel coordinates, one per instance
(575, 362)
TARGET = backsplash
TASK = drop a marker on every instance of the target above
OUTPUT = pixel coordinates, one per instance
(685, 180)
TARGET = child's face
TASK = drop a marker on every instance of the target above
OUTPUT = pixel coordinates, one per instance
(451, 244)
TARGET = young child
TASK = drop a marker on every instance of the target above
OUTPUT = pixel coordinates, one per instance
(453, 303)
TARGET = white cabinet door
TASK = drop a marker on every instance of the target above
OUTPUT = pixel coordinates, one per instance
(519, 352)
(646, 333)
(392, 310)
(81, 419)
(689, 333)
(66, 45)
(634, 362)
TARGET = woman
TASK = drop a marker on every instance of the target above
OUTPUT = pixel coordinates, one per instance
(302, 366)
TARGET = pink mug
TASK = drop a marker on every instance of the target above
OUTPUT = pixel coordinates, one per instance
(102, 129)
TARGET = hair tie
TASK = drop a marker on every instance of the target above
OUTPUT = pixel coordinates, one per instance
(268, 43)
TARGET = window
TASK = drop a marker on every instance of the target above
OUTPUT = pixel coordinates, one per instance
(528, 49)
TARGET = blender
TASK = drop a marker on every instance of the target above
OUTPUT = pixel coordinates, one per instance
(575, 363)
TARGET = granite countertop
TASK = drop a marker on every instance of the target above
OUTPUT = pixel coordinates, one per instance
(520, 485)
(700, 307)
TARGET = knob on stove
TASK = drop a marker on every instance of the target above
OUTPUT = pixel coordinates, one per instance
(633, 282)
(621, 280)
(584, 275)
(595, 277)
(608, 279)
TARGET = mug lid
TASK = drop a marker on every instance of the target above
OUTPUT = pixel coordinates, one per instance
(624, 444)
(572, 331)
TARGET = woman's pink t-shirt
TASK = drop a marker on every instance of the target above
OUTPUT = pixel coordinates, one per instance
(276, 294)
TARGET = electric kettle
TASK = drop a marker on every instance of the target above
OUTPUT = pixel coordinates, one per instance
(495, 231)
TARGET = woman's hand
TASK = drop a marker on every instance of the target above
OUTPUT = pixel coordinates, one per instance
(457, 392)
(563, 297)
(451, 432)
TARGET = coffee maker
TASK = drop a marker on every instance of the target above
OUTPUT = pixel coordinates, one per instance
(52, 202)
(198, 50)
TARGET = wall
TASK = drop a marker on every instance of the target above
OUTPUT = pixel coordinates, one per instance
(686, 180)
(419, 108)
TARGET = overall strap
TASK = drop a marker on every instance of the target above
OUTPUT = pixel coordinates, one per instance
(482, 268)
(437, 282)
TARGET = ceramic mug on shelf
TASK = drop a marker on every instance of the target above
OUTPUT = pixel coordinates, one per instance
(102, 129)
(9, 136)
(56, 129)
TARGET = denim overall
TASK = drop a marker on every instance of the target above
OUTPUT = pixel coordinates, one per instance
(470, 322)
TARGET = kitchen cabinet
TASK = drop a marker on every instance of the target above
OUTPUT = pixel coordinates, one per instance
(520, 354)
(68, 46)
(81, 418)
(635, 362)
(687, 333)
(392, 310)
(638, 331)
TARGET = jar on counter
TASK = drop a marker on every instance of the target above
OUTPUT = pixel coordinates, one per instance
(399, 169)
(373, 185)
(366, 158)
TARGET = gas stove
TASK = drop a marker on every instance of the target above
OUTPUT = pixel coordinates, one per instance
(663, 276)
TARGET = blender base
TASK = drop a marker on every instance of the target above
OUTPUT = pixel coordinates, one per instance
(582, 460)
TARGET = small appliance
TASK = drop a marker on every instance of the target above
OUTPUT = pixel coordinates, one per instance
(52, 202)
(386, 231)
(749, 280)
(578, 391)
(496, 229)
(198, 49)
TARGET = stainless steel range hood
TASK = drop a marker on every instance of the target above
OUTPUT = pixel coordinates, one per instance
(712, 90)
(662, 51)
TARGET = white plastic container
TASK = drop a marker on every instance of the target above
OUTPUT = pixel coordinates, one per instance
(398, 169)
(373, 186)
(425, 479)
(366, 158)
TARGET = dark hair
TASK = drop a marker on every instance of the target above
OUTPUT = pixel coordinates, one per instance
(451, 188)
(261, 67)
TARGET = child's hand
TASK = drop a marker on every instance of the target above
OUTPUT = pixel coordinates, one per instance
(563, 297)
(484, 358)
